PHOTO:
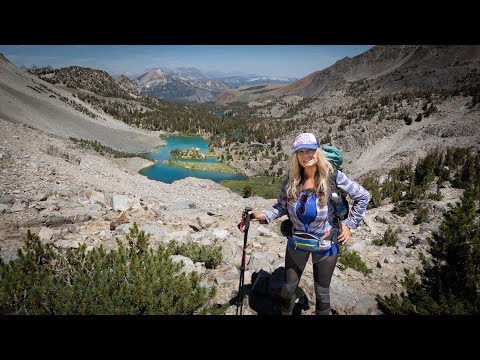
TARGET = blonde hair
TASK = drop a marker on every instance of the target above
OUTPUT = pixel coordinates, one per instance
(322, 173)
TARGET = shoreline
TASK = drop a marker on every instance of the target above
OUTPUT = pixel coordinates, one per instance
(218, 167)
(133, 165)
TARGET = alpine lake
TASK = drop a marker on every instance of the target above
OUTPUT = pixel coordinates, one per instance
(169, 169)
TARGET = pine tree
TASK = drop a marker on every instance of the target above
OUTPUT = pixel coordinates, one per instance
(450, 283)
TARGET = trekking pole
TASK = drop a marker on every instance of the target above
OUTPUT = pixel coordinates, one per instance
(243, 226)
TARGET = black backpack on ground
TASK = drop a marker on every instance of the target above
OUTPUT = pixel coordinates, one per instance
(264, 295)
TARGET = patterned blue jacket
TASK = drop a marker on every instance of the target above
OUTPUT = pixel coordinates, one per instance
(323, 223)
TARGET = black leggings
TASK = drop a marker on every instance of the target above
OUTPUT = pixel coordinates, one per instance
(323, 267)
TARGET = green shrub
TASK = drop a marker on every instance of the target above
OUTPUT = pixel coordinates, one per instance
(428, 167)
(351, 259)
(373, 186)
(437, 196)
(327, 139)
(388, 239)
(421, 216)
(404, 207)
(429, 110)
(265, 186)
(131, 279)
(247, 191)
(102, 149)
(211, 255)
(469, 174)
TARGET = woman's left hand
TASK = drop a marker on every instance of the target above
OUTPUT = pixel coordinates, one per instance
(345, 235)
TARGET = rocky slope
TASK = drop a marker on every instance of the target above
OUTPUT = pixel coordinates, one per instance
(246, 94)
(128, 86)
(69, 195)
(91, 80)
(383, 146)
(24, 98)
(394, 68)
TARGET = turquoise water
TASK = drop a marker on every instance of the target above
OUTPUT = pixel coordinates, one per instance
(168, 174)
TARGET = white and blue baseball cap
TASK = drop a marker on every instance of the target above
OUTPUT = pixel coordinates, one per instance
(305, 141)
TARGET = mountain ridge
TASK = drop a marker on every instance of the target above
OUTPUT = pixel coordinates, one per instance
(380, 65)
(26, 98)
(181, 84)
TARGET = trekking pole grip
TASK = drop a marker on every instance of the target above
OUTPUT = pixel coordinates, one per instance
(247, 217)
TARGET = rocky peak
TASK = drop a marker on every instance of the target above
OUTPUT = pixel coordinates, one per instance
(128, 85)
(4, 59)
(152, 78)
(98, 82)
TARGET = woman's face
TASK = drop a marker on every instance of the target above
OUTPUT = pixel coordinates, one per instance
(307, 157)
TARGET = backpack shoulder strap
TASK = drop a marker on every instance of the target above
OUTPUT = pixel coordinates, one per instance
(333, 183)
(334, 189)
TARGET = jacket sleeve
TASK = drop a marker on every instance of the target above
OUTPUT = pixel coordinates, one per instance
(280, 207)
(360, 197)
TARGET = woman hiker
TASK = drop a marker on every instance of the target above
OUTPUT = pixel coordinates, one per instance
(305, 197)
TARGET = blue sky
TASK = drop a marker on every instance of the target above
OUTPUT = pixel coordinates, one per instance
(269, 60)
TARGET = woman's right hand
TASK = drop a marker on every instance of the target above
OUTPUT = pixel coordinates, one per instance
(257, 216)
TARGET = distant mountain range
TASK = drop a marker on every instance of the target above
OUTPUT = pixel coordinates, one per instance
(239, 81)
(182, 87)
(191, 85)
(390, 68)
(34, 67)
(232, 80)
(181, 84)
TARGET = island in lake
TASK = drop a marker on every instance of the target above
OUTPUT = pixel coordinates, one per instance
(190, 154)
(195, 154)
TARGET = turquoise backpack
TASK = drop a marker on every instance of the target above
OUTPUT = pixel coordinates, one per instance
(334, 155)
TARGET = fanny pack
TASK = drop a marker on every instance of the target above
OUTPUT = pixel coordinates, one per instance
(310, 242)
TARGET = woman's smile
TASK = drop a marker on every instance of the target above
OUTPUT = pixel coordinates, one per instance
(307, 157)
